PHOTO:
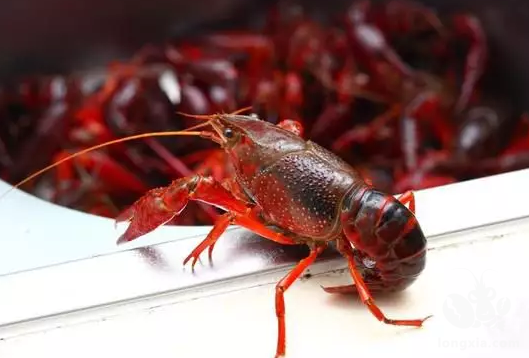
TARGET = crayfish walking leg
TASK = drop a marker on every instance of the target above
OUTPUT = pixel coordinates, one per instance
(247, 220)
(363, 291)
(220, 226)
(282, 286)
(408, 197)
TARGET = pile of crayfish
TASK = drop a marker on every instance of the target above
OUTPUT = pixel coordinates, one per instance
(394, 89)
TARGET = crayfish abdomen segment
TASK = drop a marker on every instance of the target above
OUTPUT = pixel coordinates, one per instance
(384, 229)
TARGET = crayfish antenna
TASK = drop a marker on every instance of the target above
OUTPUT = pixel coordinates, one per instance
(186, 132)
(241, 110)
(212, 116)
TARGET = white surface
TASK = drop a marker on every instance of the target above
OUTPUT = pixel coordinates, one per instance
(240, 321)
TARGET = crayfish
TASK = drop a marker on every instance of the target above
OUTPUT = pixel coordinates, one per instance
(293, 192)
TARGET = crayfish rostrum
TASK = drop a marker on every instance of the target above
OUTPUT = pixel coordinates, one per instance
(293, 191)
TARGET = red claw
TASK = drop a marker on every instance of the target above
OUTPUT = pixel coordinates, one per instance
(160, 205)
(145, 215)
(155, 208)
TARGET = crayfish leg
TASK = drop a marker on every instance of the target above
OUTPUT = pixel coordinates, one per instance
(364, 292)
(248, 220)
(219, 228)
(281, 288)
(469, 27)
(408, 197)
(364, 133)
(424, 107)
(252, 223)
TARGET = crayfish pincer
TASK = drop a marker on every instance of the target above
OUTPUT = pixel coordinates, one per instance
(293, 191)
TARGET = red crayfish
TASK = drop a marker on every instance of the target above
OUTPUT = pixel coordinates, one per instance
(292, 191)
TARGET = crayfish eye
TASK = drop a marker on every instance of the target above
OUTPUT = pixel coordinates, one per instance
(228, 133)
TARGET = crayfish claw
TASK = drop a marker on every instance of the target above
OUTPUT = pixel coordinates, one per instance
(125, 215)
(145, 215)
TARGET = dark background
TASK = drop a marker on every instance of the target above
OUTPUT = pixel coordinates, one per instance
(60, 35)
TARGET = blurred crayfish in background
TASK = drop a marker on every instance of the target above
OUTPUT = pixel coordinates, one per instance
(392, 88)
